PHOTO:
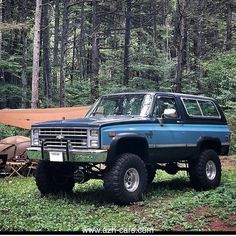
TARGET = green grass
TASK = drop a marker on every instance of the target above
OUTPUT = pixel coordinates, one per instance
(170, 204)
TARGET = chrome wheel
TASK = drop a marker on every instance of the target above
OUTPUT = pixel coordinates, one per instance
(131, 179)
(210, 170)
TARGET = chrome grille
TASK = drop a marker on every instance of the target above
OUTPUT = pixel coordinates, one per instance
(71, 131)
(58, 137)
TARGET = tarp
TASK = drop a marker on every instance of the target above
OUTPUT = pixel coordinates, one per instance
(14, 146)
(24, 118)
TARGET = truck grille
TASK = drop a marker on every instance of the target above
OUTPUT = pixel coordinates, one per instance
(58, 137)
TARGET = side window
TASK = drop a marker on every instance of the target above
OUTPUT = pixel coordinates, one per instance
(166, 107)
(200, 108)
(192, 107)
(208, 109)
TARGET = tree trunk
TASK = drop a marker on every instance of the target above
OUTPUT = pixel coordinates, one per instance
(95, 55)
(0, 30)
(46, 52)
(81, 43)
(229, 25)
(165, 22)
(24, 70)
(24, 35)
(181, 24)
(155, 14)
(74, 50)
(2, 75)
(36, 52)
(197, 39)
(56, 44)
(127, 42)
(64, 41)
(185, 39)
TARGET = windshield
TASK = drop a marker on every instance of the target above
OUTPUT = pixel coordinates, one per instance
(122, 105)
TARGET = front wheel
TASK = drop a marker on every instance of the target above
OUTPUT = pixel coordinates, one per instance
(53, 178)
(126, 179)
(205, 172)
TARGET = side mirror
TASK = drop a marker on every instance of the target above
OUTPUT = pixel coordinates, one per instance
(170, 112)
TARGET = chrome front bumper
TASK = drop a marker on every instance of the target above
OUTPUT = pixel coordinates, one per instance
(85, 155)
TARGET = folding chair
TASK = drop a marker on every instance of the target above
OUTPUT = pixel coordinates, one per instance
(16, 167)
(31, 168)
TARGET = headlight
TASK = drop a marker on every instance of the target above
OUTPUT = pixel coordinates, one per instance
(36, 142)
(35, 137)
(35, 132)
(94, 132)
(94, 143)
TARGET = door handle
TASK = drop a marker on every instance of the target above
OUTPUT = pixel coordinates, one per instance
(180, 122)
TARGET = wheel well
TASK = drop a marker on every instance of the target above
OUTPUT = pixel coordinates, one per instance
(136, 146)
(214, 144)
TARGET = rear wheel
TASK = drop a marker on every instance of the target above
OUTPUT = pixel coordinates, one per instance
(205, 172)
(53, 178)
(126, 179)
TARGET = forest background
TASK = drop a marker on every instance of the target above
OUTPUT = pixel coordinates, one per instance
(56, 53)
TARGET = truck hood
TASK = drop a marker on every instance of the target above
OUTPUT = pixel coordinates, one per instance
(93, 122)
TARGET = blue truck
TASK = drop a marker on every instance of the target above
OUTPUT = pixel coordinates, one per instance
(125, 137)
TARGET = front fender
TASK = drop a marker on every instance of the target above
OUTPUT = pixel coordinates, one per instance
(128, 142)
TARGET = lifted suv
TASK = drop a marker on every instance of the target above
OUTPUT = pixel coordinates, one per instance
(126, 137)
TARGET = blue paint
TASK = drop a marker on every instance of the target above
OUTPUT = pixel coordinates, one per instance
(168, 133)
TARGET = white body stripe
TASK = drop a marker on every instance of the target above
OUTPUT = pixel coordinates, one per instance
(177, 145)
(170, 145)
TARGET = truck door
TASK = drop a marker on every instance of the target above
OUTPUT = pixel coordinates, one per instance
(168, 140)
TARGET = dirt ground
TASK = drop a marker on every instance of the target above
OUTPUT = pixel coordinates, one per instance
(215, 224)
(228, 162)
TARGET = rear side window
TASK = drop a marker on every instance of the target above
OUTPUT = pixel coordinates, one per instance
(208, 109)
(200, 108)
(192, 107)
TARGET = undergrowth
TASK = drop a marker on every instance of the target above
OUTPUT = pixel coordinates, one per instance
(170, 204)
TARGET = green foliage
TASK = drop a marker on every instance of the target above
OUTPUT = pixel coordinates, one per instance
(77, 94)
(231, 114)
(116, 88)
(150, 63)
(11, 64)
(44, 102)
(7, 131)
(10, 91)
(150, 69)
(220, 83)
(170, 204)
(138, 83)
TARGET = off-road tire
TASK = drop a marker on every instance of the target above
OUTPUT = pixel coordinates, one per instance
(54, 178)
(114, 178)
(198, 171)
(151, 173)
